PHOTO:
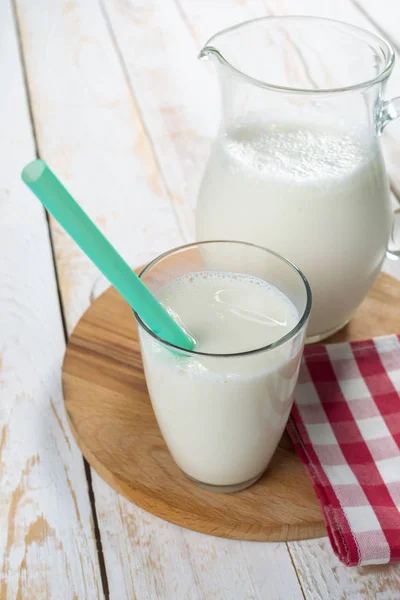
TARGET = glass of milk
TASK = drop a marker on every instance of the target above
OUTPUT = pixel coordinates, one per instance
(222, 407)
(297, 165)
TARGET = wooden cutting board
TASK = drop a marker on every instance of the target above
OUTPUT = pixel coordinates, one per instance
(111, 417)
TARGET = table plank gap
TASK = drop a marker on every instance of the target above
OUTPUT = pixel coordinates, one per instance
(99, 543)
(295, 567)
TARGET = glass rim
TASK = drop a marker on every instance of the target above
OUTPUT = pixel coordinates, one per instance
(381, 76)
(288, 336)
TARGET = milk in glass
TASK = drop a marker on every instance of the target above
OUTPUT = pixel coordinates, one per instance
(222, 416)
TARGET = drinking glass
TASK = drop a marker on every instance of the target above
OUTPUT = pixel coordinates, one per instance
(222, 415)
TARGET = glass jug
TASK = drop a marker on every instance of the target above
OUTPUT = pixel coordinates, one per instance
(297, 166)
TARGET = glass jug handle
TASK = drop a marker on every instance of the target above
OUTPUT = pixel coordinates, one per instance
(392, 250)
(389, 112)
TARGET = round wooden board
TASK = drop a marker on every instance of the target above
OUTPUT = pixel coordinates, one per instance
(112, 420)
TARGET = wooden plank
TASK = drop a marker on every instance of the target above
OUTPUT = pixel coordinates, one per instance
(89, 130)
(178, 125)
(47, 545)
(78, 131)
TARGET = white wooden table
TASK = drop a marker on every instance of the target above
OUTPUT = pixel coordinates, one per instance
(110, 93)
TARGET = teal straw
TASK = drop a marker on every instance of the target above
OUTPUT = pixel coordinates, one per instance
(58, 201)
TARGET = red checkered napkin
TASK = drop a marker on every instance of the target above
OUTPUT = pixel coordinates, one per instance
(345, 425)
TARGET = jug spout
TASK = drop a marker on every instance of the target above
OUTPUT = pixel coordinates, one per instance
(210, 52)
(236, 49)
(223, 46)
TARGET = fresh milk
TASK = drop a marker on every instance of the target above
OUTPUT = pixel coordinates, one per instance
(221, 416)
(317, 196)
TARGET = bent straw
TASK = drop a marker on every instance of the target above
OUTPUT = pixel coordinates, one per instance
(58, 201)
